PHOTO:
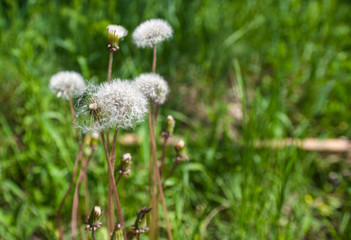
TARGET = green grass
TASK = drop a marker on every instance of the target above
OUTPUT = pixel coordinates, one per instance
(286, 62)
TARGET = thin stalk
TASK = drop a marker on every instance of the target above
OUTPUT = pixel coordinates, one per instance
(153, 190)
(119, 178)
(112, 179)
(154, 59)
(155, 197)
(156, 112)
(109, 70)
(111, 215)
(68, 191)
(158, 178)
(152, 179)
(113, 150)
(163, 156)
(75, 206)
(108, 139)
(93, 234)
(110, 208)
(171, 172)
(86, 195)
(73, 117)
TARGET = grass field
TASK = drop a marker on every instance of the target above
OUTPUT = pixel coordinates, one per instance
(239, 72)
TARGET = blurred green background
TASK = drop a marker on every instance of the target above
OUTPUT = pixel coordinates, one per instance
(239, 71)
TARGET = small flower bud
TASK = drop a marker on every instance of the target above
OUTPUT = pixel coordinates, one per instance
(140, 225)
(125, 168)
(94, 140)
(117, 233)
(180, 151)
(94, 219)
(170, 123)
(90, 143)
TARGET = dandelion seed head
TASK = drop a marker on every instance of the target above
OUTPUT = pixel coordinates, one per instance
(115, 33)
(110, 104)
(152, 32)
(153, 86)
(67, 83)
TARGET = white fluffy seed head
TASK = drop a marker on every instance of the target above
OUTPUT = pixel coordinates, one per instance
(152, 32)
(153, 86)
(110, 104)
(67, 83)
(115, 33)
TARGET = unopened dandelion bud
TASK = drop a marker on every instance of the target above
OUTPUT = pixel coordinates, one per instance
(115, 33)
(117, 233)
(94, 140)
(170, 124)
(125, 168)
(94, 219)
(141, 223)
(180, 152)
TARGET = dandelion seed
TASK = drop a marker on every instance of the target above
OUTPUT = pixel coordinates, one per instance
(67, 83)
(153, 86)
(152, 32)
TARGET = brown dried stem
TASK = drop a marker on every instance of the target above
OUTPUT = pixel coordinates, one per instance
(73, 117)
(112, 179)
(158, 178)
(163, 156)
(110, 214)
(154, 59)
(109, 70)
(93, 234)
(172, 171)
(68, 191)
(75, 206)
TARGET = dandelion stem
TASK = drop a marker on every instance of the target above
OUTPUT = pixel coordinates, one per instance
(109, 70)
(86, 195)
(74, 117)
(154, 59)
(68, 190)
(75, 206)
(155, 196)
(158, 178)
(93, 234)
(153, 193)
(113, 150)
(111, 214)
(112, 179)
(163, 156)
(172, 171)
(119, 178)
